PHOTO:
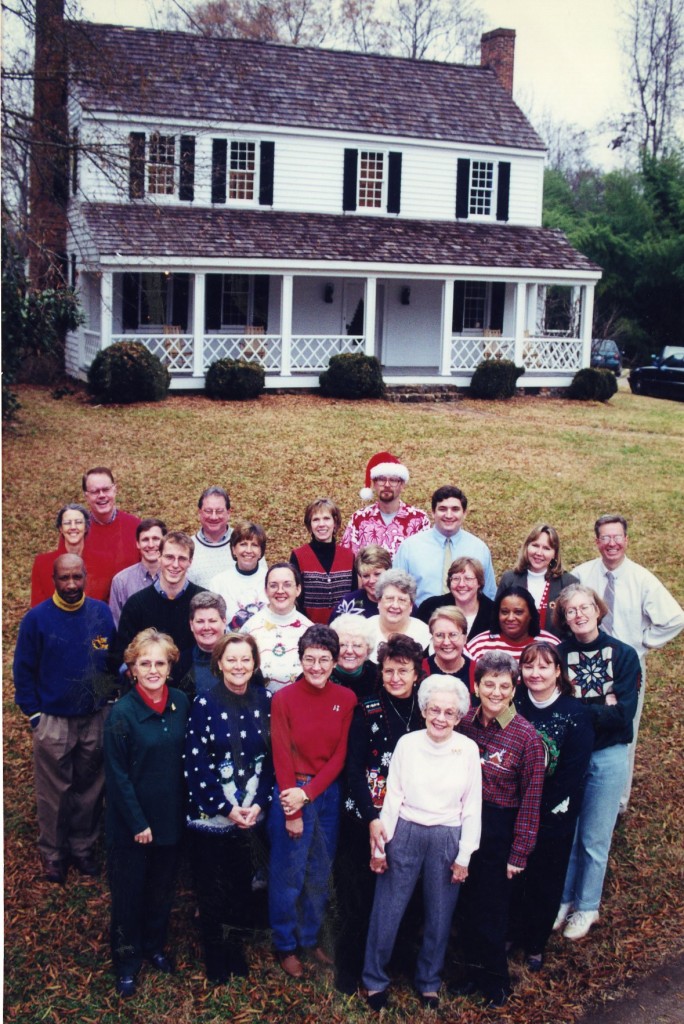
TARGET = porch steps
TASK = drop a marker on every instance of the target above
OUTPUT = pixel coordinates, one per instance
(423, 393)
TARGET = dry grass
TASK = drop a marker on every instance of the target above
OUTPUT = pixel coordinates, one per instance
(518, 462)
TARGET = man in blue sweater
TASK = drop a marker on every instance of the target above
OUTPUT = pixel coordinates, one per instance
(61, 684)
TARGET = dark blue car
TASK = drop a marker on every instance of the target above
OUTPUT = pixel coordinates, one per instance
(664, 378)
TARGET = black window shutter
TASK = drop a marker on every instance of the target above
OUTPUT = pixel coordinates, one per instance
(462, 189)
(136, 152)
(186, 187)
(260, 318)
(74, 161)
(219, 161)
(394, 183)
(351, 162)
(130, 293)
(503, 191)
(497, 308)
(181, 301)
(459, 300)
(266, 166)
(212, 302)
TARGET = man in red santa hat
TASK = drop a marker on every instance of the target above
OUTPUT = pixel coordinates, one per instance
(389, 520)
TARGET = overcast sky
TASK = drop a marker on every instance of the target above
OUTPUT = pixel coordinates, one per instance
(567, 59)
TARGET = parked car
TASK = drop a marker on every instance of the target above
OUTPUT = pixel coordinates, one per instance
(605, 355)
(664, 378)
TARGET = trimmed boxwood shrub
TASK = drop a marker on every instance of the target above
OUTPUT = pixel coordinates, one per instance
(234, 380)
(495, 378)
(593, 385)
(352, 375)
(127, 372)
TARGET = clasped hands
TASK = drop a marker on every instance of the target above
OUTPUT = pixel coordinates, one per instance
(245, 817)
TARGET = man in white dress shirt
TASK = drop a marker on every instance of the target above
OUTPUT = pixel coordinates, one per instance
(642, 612)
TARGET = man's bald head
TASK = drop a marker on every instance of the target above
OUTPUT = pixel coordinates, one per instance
(69, 575)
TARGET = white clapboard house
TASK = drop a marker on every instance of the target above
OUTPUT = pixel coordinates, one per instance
(284, 204)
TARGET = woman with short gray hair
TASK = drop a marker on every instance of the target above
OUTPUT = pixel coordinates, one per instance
(396, 593)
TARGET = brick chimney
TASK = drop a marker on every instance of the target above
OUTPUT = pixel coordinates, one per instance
(49, 149)
(497, 51)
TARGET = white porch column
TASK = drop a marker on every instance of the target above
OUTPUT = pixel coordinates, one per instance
(520, 321)
(532, 300)
(198, 306)
(447, 327)
(286, 326)
(106, 308)
(587, 321)
(369, 308)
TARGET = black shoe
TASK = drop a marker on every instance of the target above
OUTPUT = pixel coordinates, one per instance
(237, 962)
(377, 1001)
(161, 963)
(86, 865)
(125, 986)
(431, 1002)
(54, 870)
(346, 983)
(534, 963)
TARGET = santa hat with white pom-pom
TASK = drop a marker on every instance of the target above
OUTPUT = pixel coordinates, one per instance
(382, 464)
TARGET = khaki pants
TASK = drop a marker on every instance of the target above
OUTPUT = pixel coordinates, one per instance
(69, 779)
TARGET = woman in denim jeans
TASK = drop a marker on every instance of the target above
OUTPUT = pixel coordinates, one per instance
(606, 677)
(309, 728)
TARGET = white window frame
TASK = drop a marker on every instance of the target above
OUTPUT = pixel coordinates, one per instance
(361, 187)
(160, 168)
(484, 299)
(242, 174)
(482, 196)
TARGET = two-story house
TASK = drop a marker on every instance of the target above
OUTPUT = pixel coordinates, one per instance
(283, 204)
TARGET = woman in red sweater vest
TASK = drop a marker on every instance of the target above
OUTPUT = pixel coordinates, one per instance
(327, 570)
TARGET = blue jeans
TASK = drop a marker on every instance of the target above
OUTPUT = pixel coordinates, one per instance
(605, 782)
(300, 869)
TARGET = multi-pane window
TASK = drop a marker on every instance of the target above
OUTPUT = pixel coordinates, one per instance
(160, 177)
(242, 171)
(235, 304)
(474, 305)
(481, 188)
(371, 174)
(154, 300)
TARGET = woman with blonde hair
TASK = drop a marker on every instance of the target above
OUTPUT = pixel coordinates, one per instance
(539, 569)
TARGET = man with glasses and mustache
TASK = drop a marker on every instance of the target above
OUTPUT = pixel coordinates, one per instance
(641, 611)
(165, 604)
(389, 520)
(111, 542)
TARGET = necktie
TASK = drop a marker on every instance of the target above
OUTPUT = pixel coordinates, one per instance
(448, 559)
(609, 599)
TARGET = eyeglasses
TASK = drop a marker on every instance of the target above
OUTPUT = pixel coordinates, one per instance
(73, 522)
(310, 661)
(403, 673)
(460, 577)
(358, 647)
(611, 538)
(175, 559)
(453, 637)
(94, 491)
(584, 609)
(387, 480)
(448, 713)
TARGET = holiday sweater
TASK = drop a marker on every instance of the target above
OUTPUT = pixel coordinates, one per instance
(277, 637)
(327, 572)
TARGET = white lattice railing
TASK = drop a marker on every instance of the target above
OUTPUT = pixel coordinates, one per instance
(312, 352)
(552, 353)
(174, 350)
(91, 346)
(265, 349)
(467, 352)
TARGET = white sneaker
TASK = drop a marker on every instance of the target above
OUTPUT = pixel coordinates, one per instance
(561, 916)
(579, 923)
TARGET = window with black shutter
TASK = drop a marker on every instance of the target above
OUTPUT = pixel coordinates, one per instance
(351, 160)
(394, 183)
(186, 182)
(219, 161)
(266, 170)
(462, 189)
(503, 190)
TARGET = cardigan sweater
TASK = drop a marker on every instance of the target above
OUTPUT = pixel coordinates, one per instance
(60, 660)
(565, 728)
(599, 667)
(309, 728)
(378, 723)
(327, 572)
(144, 769)
(224, 725)
(512, 578)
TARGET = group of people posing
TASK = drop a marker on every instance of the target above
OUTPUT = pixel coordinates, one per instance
(373, 718)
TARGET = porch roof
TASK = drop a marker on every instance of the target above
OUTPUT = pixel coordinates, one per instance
(147, 231)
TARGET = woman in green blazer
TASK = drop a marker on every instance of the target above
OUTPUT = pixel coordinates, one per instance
(144, 742)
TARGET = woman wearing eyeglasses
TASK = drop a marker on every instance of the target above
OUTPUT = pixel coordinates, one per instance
(309, 727)
(465, 582)
(429, 828)
(606, 676)
(449, 630)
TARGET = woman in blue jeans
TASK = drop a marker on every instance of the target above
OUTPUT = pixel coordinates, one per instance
(606, 676)
(309, 727)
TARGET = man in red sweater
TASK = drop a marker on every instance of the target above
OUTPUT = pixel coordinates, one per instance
(111, 542)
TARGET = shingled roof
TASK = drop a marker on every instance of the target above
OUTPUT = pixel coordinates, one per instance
(148, 73)
(154, 232)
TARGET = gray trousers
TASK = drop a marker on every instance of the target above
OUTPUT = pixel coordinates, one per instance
(69, 779)
(430, 849)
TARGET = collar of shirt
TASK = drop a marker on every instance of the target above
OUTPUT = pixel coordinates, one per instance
(158, 587)
(213, 543)
(442, 538)
(503, 719)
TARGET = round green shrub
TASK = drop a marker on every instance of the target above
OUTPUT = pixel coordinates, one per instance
(592, 385)
(352, 375)
(127, 372)
(495, 379)
(234, 380)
